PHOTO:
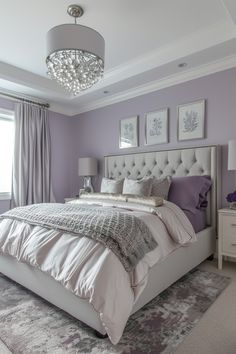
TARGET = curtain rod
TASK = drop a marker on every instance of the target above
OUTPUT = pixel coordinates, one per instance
(27, 100)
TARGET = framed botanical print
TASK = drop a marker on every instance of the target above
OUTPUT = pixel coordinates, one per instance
(156, 127)
(128, 132)
(191, 120)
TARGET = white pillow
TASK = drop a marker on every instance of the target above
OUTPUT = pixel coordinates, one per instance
(160, 187)
(141, 187)
(112, 185)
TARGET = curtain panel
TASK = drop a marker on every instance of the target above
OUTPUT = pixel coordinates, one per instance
(31, 181)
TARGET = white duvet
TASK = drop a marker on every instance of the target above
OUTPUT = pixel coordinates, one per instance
(90, 270)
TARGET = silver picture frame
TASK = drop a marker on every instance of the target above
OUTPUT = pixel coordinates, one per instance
(157, 127)
(128, 132)
(191, 120)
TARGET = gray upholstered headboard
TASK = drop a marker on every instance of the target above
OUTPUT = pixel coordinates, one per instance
(182, 162)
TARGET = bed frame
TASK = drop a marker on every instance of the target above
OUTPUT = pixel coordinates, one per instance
(181, 162)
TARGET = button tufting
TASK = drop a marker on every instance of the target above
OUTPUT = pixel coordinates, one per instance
(149, 172)
(144, 164)
(138, 173)
(124, 165)
(133, 164)
(161, 172)
(119, 173)
(128, 173)
(155, 163)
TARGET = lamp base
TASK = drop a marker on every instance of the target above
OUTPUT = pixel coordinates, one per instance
(88, 185)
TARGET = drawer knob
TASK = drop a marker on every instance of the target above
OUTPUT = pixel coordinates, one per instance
(233, 244)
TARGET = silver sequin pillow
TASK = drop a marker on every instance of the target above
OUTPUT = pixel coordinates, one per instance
(160, 187)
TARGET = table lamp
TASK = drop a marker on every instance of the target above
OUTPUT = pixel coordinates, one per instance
(87, 168)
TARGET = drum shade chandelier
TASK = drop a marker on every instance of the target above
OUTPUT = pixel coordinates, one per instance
(75, 54)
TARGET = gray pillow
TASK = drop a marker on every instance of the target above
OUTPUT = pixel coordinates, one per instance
(141, 187)
(112, 185)
(160, 187)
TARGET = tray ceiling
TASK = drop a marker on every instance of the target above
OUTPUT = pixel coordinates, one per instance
(145, 42)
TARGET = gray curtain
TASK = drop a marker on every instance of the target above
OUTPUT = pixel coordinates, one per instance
(32, 156)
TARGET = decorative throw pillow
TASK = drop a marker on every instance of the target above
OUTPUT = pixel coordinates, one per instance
(141, 187)
(104, 196)
(152, 201)
(112, 185)
(190, 192)
(160, 187)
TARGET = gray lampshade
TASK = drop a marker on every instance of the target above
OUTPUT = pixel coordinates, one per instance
(232, 155)
(74, 36)
(87, 166)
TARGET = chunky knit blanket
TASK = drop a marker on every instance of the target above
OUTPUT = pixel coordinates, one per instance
(124, 234)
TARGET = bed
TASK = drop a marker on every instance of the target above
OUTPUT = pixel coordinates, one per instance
(181, 162)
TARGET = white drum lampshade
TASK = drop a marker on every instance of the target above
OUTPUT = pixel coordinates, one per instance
(87, 168)
(232, 155)
(75, 54)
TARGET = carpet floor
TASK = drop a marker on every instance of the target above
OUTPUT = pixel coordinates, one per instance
(30, 325)
(215, 333)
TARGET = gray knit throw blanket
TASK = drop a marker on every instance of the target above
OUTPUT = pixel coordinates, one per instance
(124, 234)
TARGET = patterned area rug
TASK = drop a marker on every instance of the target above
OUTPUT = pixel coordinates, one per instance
(29, 324)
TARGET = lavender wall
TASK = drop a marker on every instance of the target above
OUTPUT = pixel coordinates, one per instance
(97, 131)
(62, 139)
(61, 128)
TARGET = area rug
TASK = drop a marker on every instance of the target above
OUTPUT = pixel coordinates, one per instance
(30, 325)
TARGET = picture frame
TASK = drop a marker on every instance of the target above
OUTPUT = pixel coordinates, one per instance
(157, 127)
(128, 132)
(191, 120)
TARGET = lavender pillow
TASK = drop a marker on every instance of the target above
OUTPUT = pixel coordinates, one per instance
(198, 219)
(190, 192)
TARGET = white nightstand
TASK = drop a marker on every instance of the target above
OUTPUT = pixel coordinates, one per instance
(66, 200)
(226, 234)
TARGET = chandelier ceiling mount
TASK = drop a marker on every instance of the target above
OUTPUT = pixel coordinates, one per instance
(75, 11)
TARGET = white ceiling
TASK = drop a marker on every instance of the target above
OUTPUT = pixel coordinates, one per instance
(145, 42)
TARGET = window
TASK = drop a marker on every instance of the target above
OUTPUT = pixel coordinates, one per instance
(6, 152)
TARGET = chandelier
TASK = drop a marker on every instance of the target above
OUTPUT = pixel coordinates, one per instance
(75, 54)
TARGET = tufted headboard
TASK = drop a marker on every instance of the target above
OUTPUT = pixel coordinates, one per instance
(182, 162)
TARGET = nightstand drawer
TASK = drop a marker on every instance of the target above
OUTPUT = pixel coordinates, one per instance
(227, 234)
(229, 226)
(229, 244)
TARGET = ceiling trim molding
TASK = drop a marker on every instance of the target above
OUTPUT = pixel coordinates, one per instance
(230, 9)
(187, 75)
(194, 43)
